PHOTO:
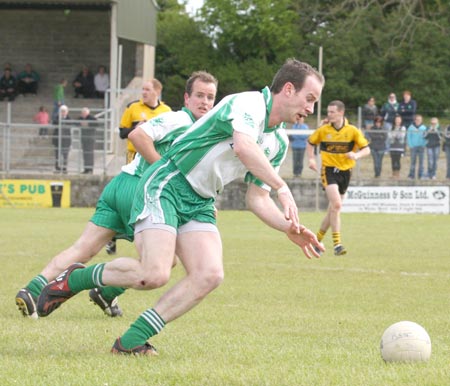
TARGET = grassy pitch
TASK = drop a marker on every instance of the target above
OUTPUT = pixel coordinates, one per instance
(278, 318)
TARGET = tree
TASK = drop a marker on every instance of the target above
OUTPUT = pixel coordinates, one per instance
(250, 39)
(371, 47)
(182, 48)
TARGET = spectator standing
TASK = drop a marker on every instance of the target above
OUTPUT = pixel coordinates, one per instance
(389, 111)
(397, 141)
(62, 140)
(433, 138)
(101, 82)
(407, 109)
(340, 144)
(58, 99)
(149, 106)
(369, 112)
(28, 81)
(87, 139)
(298, 143)
(42, 117)
(8, 86)
(377, 137)
(415, 138)
(84, 84)
(446, 149)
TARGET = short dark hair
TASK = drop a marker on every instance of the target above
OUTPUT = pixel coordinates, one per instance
(295, 72)
(378, 118)
(203, 76)
(339, 105)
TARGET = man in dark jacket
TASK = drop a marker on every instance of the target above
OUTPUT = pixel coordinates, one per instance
(87, 139)
(389, 111)
(8, 85)
(433, 137)
(407, 109)
(84, 84)
(62, 139)
(377, 136)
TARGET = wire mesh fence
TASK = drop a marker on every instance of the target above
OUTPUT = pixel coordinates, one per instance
(72, 145)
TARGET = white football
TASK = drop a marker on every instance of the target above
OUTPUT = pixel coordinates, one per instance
(405, 342)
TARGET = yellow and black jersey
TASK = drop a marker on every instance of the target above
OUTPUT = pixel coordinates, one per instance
(137, 111)
(334, 144)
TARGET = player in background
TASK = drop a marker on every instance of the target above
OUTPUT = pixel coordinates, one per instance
(338, 143)
(173, 210)
(112, 213)
(147, 107)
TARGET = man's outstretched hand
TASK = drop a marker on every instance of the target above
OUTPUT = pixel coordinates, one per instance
(306, 240)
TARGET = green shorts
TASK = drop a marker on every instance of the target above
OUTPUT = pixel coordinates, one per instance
(114, 205)
(164, 195)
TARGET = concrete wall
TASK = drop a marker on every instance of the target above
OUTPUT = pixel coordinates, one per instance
(308, 193)
(304, 191)
(86, 189)
(55, 43)
(59, 43)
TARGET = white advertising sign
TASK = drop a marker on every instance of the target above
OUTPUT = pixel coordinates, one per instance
(397, 199)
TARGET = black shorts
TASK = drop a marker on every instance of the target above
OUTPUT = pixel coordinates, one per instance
(341, 178)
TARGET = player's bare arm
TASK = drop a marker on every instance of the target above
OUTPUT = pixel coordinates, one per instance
(257, 163)
(261, 204)
(144, 144)
(306, 240)
(312, 164)
(359, 154)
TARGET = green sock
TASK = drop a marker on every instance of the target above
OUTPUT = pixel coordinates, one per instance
(36, 285)
(147, 325)
(109, 293)
(86, 278)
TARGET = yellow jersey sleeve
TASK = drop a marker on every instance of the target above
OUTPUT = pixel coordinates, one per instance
(335, 144)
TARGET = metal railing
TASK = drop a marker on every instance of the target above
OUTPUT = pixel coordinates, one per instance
(34, 148)
(23, 150)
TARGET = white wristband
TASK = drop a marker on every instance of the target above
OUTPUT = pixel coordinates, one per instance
(283, 189)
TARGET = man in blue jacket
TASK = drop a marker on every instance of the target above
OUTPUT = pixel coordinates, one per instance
(415, 138)
(298, 143)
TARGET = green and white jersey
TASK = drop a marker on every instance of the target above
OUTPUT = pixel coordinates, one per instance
(204, 153)
(162, 129)
(275, 146)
